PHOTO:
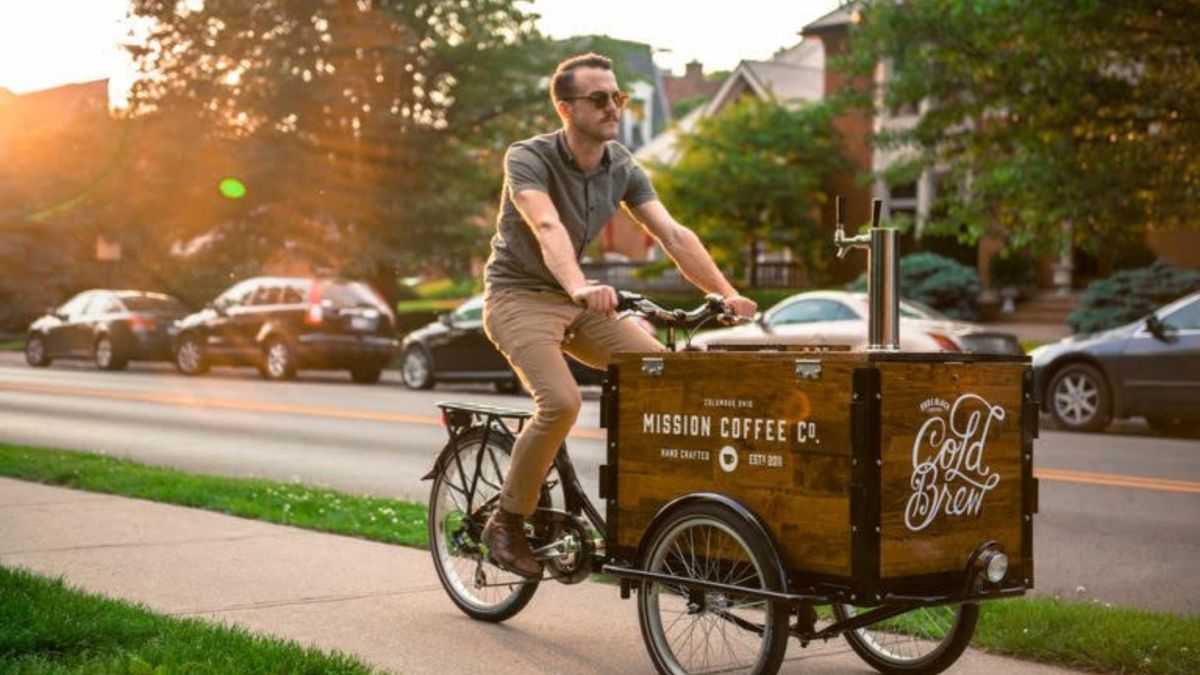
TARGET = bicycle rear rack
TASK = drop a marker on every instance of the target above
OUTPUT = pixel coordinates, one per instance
(461, 417)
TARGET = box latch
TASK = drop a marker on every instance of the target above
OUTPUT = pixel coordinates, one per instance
(808, 369)
(652, 366)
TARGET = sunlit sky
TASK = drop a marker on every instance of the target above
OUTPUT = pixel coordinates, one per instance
(45, 43)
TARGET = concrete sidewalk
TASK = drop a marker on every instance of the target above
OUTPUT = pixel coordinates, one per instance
(382, 603)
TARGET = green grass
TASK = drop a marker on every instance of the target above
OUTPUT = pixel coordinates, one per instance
(1091, 636)
(48, 627)
(430, 305)
(315, 508)
(1078, 635)
(12, 345)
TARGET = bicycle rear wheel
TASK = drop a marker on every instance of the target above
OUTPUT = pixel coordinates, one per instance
(689, 630)
(926, 640)
(464, 494)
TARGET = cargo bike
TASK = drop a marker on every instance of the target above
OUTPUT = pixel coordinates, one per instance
(758, 495)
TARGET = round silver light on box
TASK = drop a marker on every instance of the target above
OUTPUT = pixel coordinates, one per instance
(997, 567)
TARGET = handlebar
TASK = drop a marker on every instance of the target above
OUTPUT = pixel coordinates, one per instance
(714, 306)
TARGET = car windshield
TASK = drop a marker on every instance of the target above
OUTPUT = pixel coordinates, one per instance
(143, 303)
(349, 294)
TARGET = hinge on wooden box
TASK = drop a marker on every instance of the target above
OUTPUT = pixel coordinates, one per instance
(808, 369)
(607, 480)
(652, 366)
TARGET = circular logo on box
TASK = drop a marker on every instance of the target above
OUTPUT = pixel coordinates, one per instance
(728, 457)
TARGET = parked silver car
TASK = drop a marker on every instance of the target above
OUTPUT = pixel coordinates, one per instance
(840, 318)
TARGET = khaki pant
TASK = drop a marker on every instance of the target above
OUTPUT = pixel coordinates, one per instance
(533, 329)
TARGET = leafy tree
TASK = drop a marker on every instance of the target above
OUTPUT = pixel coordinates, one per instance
(368, 135)
(754, 175)
(1040, 113)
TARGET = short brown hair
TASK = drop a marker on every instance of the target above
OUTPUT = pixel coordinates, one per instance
(562, 85)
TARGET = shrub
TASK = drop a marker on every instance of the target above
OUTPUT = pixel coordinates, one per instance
(947, 286)
(1011, 269)
(1130, 295)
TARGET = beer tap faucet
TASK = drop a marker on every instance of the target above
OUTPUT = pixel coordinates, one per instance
(883, 276)
(840, 239)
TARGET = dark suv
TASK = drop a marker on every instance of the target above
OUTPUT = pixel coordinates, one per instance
(282, 325)
(110, 327)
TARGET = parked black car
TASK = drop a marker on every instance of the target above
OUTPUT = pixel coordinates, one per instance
(282, 325)
(1150, 368)
(455, 349)
(110, 327)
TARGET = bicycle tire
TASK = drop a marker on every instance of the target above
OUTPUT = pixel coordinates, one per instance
(924, 641)
(455, 551)
(707, 541)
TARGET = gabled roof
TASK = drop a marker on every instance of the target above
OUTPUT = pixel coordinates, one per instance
(661, 148)
(795, 74)
(838, 18)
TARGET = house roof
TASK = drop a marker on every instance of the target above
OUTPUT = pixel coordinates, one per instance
(838, 18)
(661, 148)
(796, 74)
(785, 81)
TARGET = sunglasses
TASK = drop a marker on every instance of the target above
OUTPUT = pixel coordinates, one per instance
(600, 99)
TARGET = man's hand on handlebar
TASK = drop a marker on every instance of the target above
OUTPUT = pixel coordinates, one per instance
(740, 306)
(596, 298)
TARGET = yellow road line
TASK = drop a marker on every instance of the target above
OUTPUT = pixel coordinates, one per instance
(1118, 480)
(191, 401)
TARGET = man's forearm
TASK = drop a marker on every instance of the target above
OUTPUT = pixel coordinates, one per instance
(697, 265)
(559, 255)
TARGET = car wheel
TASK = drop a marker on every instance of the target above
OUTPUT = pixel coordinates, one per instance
(279, 362)
(415, 370)
(366, 374)
(1079, 398)
(189, 358)
(1174, 426)
(105, 354)
(36, 353)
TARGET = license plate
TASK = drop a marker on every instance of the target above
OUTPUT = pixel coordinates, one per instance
(362, 323)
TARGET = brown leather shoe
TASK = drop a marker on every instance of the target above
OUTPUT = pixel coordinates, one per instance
(504, 535)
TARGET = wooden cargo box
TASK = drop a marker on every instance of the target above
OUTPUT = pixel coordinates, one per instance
(878, 475)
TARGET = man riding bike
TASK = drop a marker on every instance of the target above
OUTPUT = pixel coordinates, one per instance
(560, 189)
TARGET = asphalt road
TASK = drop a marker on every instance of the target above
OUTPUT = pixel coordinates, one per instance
(1119, 520)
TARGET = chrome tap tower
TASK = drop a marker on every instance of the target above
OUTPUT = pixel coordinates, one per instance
(883, 276)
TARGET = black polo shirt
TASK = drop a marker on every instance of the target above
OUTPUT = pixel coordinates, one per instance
(585, 204)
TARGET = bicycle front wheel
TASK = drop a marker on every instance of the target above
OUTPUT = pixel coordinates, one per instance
(926, 640)
(464, 494)
(692, 630)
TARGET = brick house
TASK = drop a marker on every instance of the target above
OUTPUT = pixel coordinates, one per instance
(802, 73)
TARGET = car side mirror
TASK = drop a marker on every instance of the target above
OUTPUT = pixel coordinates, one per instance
(446, 320)
(761, 322)
(1156, 328)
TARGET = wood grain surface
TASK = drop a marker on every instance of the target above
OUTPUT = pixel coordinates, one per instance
(952, 432)
(799, 484)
